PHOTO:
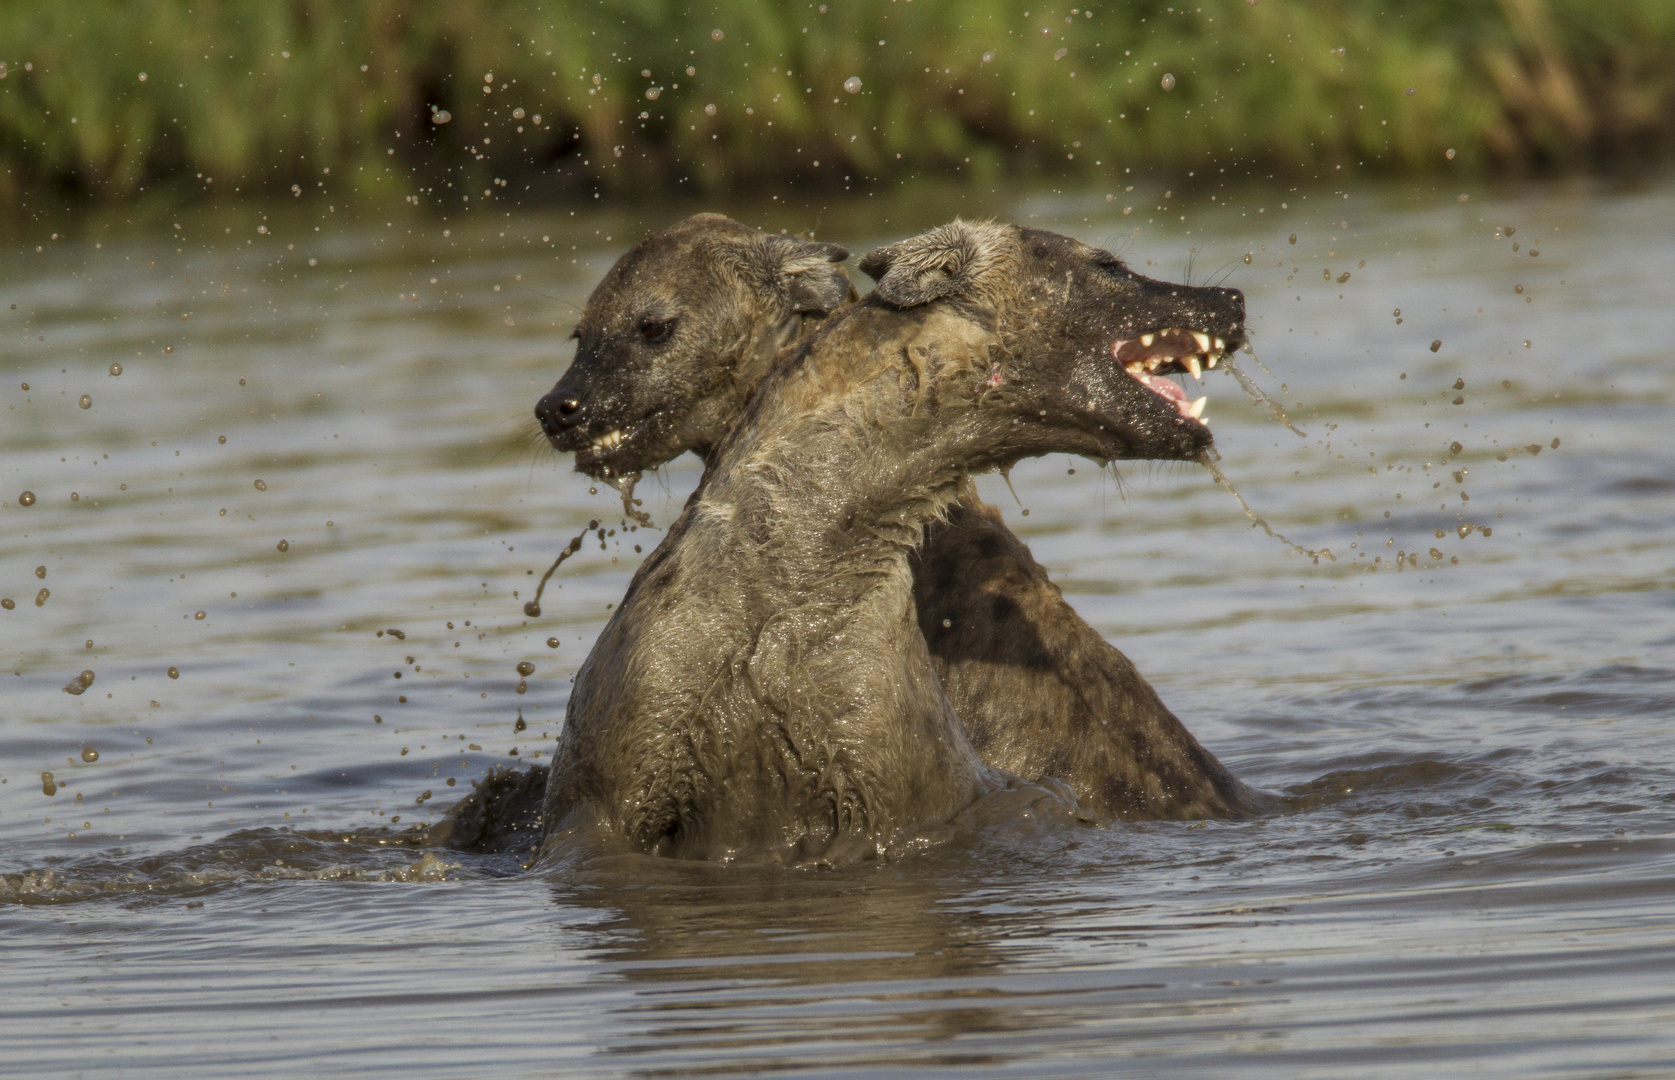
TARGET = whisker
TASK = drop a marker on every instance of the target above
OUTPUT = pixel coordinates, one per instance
(527, 440)
(1117, 243)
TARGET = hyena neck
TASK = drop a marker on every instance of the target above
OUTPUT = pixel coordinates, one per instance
(837, 465)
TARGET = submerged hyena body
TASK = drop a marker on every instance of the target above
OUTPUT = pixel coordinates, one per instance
(671, 345)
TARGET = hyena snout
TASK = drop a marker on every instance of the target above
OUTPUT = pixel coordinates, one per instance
(1228, 306)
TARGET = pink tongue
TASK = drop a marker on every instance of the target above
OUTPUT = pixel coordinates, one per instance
(1168, 390)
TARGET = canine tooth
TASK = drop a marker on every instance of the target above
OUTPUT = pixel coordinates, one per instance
(1192, 366)
(1221, 346)
(1211, 362)
(1147, 339)
(1203, 341)
(1196, 409)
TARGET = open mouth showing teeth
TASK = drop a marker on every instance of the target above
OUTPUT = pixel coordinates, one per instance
(608, 441)
(1166, 352)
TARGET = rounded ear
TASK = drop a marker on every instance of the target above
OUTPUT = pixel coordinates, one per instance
(808, 272)
(906, 279)
(945, 261)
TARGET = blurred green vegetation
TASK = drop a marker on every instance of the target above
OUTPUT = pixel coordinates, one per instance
(643, 97)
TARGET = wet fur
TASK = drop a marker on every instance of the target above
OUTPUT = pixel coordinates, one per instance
(1040, 692)
(763, 691)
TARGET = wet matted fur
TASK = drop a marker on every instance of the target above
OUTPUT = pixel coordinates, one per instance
(1040, 692)
(763, 691)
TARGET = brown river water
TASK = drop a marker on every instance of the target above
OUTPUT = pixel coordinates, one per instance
(1467, 713)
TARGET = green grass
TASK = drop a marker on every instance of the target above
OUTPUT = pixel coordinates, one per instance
(259, 95)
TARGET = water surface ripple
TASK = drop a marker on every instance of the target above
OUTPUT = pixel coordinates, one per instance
(1467, 714)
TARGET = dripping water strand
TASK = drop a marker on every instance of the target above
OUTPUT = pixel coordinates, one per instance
(532, 608)
(1006, 475)
(1266, 370)
(1208, 462)
(1257, 393)
(624, 485)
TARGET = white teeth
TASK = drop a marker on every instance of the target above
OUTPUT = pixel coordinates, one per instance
(1203, 341)
(1221, 346)
(1196, 409)
(1212, 360)
(1192, 367)
(1147, 339)
(607, 441)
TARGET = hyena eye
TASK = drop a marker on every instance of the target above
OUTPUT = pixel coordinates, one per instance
(656, 330)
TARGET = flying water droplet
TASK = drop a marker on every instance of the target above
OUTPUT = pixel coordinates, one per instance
(852, 85)
(1167, 82)
(89, 755)
(116, 369)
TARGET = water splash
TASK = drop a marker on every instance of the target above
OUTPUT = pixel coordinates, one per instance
(624, 485)
(1208, 462)
(1257, 393)
(245, 857)
(532, 608)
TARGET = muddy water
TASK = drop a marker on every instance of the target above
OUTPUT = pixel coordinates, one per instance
(1474, 874)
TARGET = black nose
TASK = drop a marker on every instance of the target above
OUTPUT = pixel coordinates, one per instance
(559, 409)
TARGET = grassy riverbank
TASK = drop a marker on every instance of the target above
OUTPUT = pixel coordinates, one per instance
(440, 102)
